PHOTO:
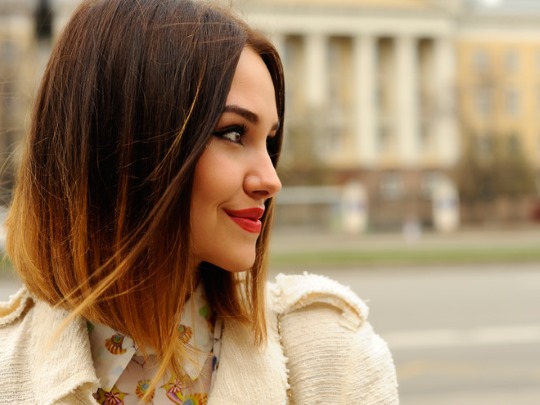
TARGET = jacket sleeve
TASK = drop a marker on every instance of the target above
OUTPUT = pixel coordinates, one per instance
(333, 354)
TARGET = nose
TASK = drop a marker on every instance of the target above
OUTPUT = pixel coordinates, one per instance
(262, 181)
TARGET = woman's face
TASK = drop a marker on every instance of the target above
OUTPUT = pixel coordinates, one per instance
(235, 175)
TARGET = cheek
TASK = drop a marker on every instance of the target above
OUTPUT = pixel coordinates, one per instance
(205, 173)
(216, 177)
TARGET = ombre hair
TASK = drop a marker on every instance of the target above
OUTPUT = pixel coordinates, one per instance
(100, 221)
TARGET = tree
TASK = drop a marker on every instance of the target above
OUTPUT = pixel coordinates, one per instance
(494, 168)
(302, 163)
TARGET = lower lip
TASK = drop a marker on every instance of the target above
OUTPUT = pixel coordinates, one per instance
(249, 225)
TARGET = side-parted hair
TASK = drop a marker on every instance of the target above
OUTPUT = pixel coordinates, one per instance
(100, 221)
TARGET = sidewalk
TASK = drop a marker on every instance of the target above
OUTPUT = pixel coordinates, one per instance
(291, 248)
(293, 240)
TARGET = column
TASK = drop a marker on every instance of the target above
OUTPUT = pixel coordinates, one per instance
(315, 66)
(446, 141)
(407, 101)
(364, 82)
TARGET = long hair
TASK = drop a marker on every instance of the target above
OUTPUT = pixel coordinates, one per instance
(100, 221)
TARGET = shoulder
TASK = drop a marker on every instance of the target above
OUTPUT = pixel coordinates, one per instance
(15, 307)
(44, 360)
(16, 318)
(27, 316)
(15, 348)
(333, 353)
(290, 293)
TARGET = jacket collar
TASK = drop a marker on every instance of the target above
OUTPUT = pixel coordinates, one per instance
(63, 361)
(247, 374)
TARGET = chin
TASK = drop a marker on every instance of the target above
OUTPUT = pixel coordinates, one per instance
(238, 263)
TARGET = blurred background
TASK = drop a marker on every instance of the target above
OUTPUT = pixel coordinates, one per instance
(411, 172)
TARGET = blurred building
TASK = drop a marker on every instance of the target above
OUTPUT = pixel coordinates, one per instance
(498, 88)
(371, 87)
(27, 30)
(389, 93)
(381, 93)
(16, 67)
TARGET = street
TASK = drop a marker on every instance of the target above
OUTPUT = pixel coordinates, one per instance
(459, 335)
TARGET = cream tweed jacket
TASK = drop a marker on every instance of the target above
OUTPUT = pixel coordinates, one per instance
(320, 350)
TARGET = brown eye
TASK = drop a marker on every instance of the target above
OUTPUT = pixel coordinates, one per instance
(234, 134)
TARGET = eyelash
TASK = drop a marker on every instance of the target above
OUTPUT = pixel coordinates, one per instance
(240, 130)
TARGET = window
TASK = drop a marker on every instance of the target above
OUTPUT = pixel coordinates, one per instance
(484, 145)
(511, 61)
(483, 100)
(480, 61)
(391, 186)
(512, 101)
(429, 182)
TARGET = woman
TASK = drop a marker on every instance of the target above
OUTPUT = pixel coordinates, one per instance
(140, 228)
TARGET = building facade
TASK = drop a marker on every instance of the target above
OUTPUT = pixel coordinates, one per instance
(498, 92)
(371, 86)
(498, 73)
(17, 41)
(381, 93)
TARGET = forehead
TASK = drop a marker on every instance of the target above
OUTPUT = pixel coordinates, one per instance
(252, 86)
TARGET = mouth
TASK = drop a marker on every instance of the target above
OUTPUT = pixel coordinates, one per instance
(248, 219)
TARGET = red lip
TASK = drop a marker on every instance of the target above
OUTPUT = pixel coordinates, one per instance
(248, 219)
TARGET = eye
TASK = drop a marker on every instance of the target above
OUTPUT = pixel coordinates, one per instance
(233, 134)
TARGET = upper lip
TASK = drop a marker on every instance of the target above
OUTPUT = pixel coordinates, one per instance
(248, 213)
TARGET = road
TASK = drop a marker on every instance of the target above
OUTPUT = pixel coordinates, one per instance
(459, 335)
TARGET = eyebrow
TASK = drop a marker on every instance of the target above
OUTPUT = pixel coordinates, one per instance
(247, 114)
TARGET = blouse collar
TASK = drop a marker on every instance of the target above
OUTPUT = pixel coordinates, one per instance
(112, 351)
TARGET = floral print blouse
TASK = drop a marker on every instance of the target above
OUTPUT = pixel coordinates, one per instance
(125, 376)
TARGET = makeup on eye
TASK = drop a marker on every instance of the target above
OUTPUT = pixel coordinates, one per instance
(237, 132)
(232, 133)
(238, 112)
